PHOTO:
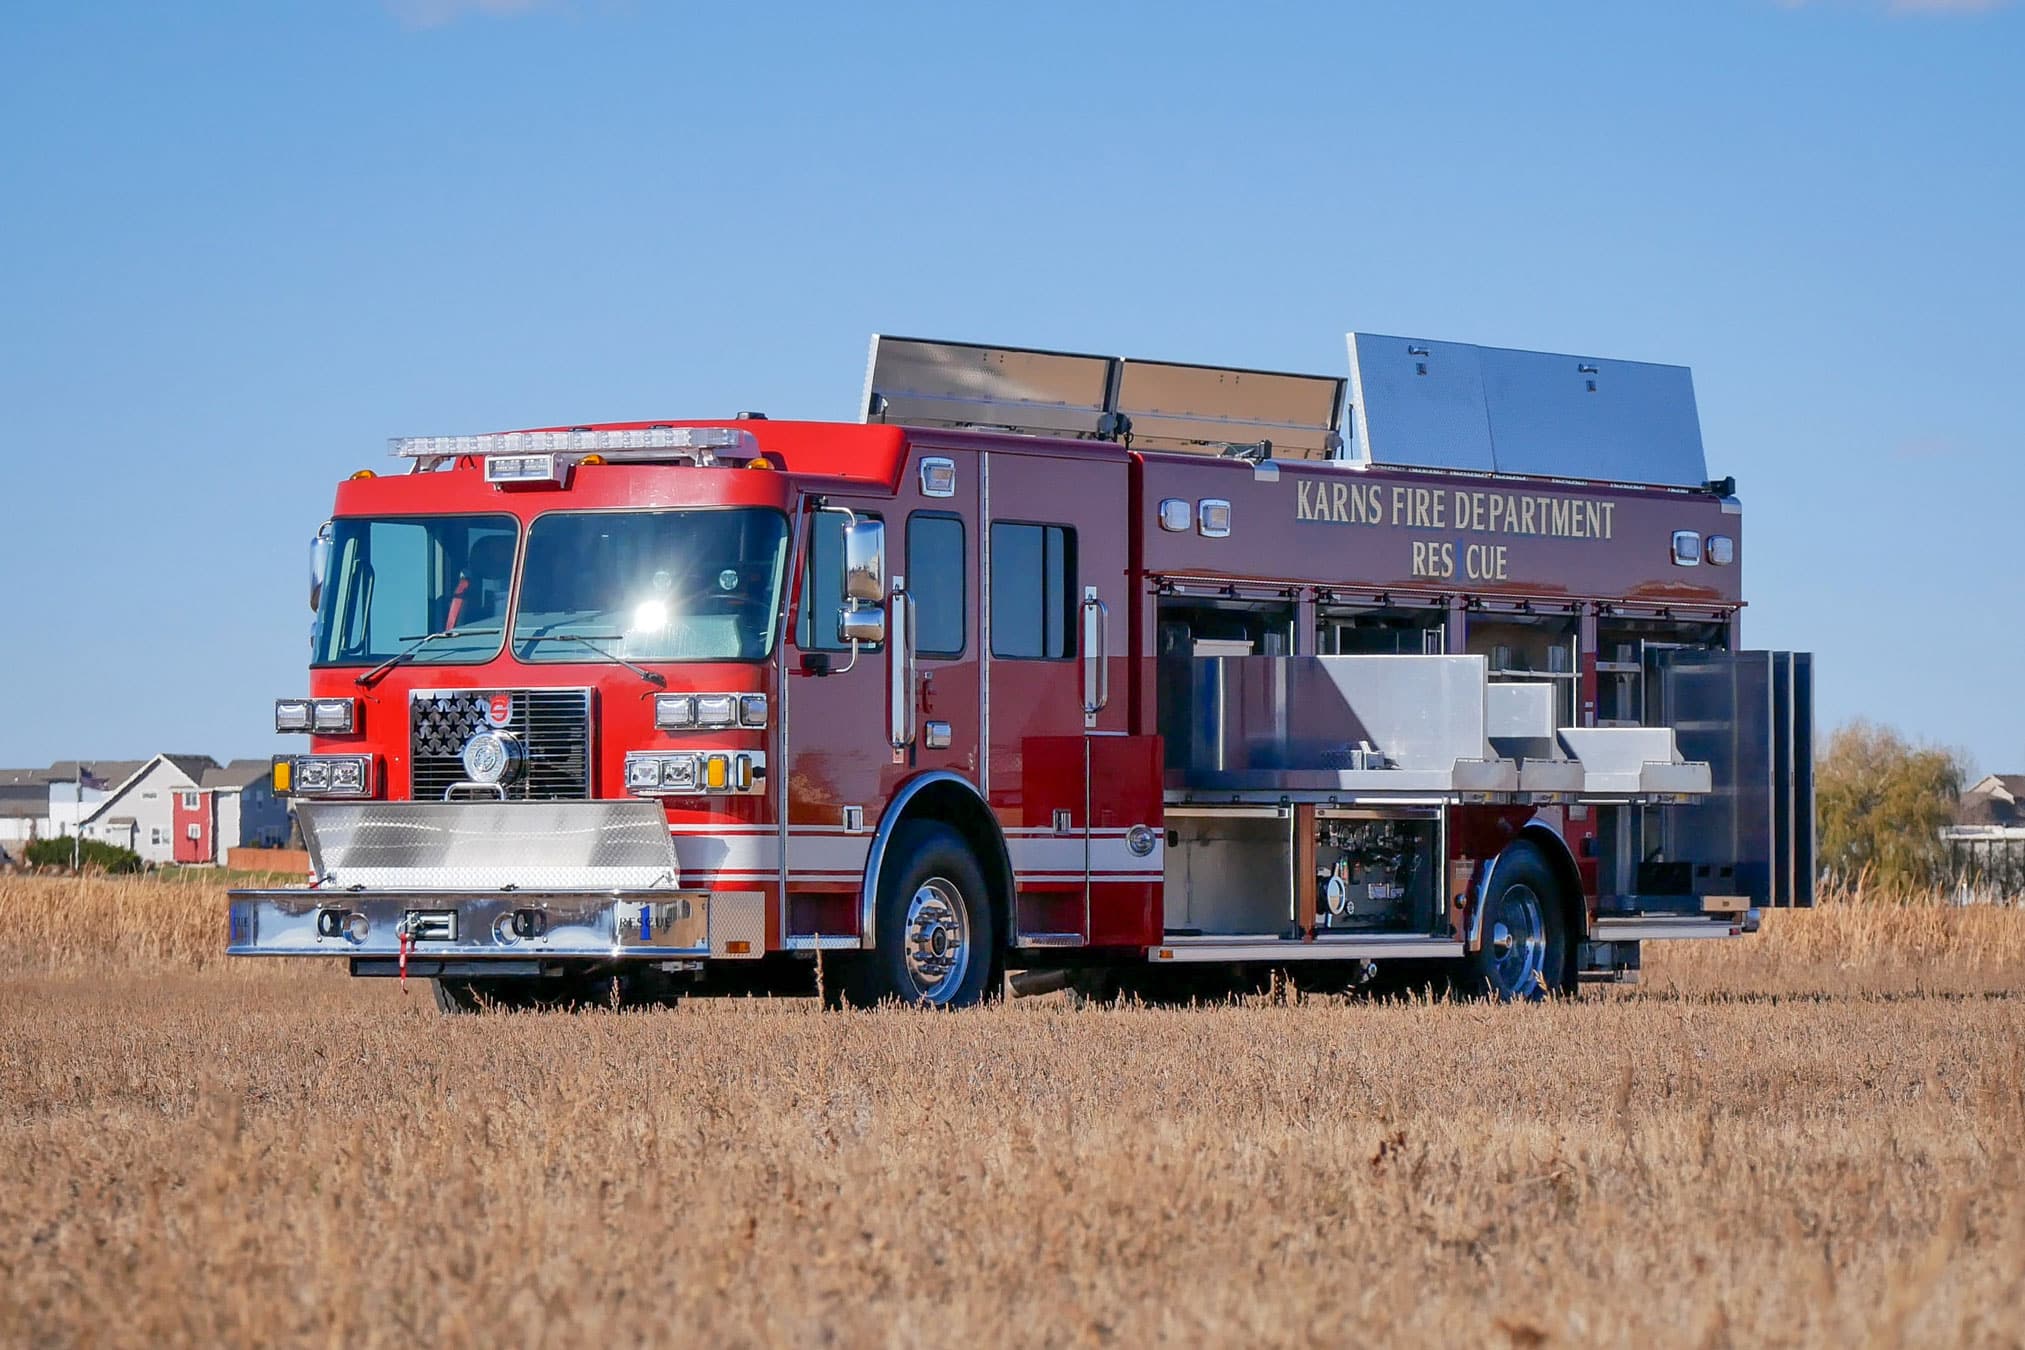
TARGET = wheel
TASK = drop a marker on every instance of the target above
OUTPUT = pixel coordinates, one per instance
(1525, 951)
(935, 927)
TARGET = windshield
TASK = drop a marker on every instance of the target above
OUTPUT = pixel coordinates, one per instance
(651, 585)
(396, 580)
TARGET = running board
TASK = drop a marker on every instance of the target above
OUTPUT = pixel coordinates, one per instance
(1364, 947)
(1670, 928)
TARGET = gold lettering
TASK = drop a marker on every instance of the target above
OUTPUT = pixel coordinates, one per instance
(1399, 500)
(1339, 512)
(1609, 508)
(1526, 505)
(1301, 500)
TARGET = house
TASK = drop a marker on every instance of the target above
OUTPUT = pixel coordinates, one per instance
(1986, 842)
(148, 812)
(245, 809)
(190, 810)
(48, 803)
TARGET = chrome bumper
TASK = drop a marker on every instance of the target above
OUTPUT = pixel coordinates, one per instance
(499, 925)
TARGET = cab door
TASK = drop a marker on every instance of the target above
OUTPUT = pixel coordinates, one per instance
(1076, 792)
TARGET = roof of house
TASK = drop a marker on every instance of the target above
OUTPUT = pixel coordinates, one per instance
(192, 767)
(239, 773)
(1997, 800)
(112, 772)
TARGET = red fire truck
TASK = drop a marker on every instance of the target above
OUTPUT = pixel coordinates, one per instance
(1121, 674)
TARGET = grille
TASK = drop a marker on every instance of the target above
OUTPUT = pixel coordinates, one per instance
(554, 725)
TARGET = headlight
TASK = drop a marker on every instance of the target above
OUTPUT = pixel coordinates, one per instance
(651, 773)
(334, 716)
(332, 775)
(291, 714)
(674, 712)
(716, 710)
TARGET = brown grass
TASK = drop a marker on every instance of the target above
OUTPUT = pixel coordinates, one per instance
(263, 1153)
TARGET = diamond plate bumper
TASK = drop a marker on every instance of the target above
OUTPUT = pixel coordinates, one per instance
(510, 925)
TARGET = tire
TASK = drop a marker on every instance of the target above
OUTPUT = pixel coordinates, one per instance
(937, 934)
(1525, 951)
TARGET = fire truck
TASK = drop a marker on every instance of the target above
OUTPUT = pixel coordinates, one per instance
(1132, 676)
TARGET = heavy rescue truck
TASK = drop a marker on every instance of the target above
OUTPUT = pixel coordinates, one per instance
(1157, 677)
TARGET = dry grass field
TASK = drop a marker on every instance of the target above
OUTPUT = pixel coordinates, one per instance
(1815, 1136)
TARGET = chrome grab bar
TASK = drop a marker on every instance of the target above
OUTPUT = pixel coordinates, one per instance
(1096, 669)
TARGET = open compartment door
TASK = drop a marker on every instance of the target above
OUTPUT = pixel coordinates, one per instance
(1750, 716)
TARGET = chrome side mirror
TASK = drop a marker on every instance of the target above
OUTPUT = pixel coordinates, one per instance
(319, 563)
(857, 625)
(865, 562)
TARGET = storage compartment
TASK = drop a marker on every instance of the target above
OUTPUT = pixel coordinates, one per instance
(1375, 872)
(1229, 871)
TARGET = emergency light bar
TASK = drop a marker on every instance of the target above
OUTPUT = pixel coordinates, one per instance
(730, 442)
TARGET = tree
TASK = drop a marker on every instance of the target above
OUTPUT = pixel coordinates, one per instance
(1881, 803)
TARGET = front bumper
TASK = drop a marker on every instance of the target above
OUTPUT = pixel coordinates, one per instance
(530, 925)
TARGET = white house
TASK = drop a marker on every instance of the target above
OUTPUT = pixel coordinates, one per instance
(48, 803)
(190, 810)
(146, 812)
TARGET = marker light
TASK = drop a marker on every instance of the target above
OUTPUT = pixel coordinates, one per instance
(717, 773)
(1687, 548)
(752, 710)
(504, 470)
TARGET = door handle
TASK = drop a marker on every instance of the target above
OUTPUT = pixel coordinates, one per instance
(1096, 669)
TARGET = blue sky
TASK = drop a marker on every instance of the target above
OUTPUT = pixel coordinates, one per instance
(242, 244)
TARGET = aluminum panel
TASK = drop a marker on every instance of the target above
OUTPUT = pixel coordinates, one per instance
(1197, 408)
(1352, 724)
(1418, 403)
(1494, 409)
(489, 845)
(960, 384)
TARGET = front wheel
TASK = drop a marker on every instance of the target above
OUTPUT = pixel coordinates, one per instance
(1525, 950)
(935, 929)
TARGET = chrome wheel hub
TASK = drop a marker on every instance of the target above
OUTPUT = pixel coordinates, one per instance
(1518, 943)
(937, 941)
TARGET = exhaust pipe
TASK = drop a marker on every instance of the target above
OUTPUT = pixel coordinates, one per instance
(1029, 983)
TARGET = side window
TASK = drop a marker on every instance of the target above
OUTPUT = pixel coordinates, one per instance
(935, 578)
(823, 584)
(1033, 580)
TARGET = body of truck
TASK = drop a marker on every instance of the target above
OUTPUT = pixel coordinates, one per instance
(689, 705)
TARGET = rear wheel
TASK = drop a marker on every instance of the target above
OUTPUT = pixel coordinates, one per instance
(1525, 949)
(935, 928)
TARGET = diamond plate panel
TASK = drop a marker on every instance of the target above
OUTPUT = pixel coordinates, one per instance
(489, 845)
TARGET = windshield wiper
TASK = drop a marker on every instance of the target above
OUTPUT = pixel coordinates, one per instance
(591, 640)
(416, 644)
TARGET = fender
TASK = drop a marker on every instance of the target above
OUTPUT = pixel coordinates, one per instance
(999, 867)
(1546, 836)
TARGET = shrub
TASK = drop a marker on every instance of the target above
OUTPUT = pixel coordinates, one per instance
(91, 853)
